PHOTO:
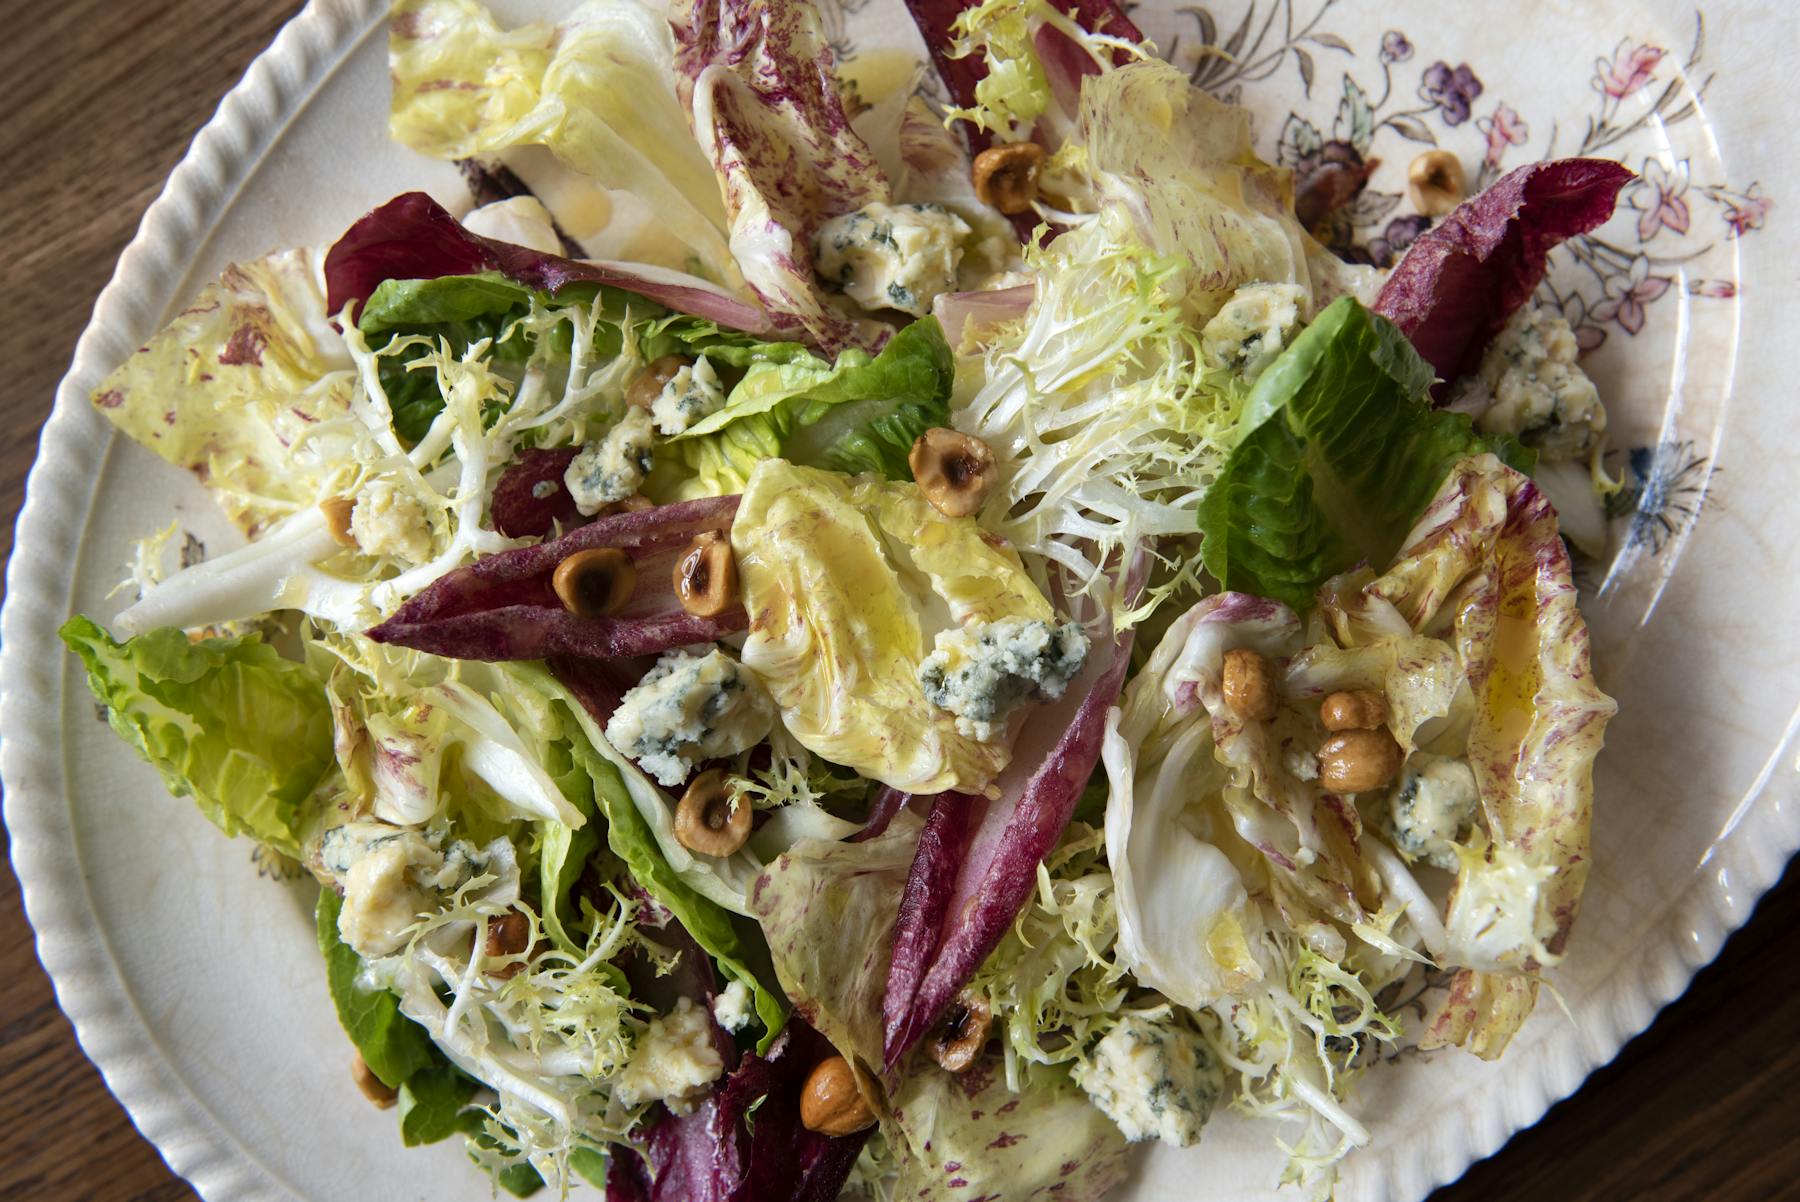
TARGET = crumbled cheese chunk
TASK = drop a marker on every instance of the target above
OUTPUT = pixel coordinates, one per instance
(1540, 393)
(690, 708)
(389, 521)
(387, 877)
(733, 1009)
(1250, 331)
(892, 256)
(613, 468)
(1431, 808)
(674, 1062)
(982, 673)
(692, 393)
(1153, 1079)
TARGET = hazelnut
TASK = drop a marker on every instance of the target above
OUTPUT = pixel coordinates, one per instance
(1007, 176)
(955, 472)
(962, 1033)
(373, 1087)
(1249, 687)
(709, 820)
(507, 935)
(643, 391)
(830, 1102)
(1363, 709)
(1357, 761)
(1435, 182)
(706, 578)
(337, 511)
(594, 582)
(637, 502)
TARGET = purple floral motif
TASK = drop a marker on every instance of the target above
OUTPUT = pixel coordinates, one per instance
(1632, 67)
(1745, 211)
(1451, 89)
(1660, 198)
(1385, 250)
(1326, 180)
(1625, 298)
(1394, 47)
(1505, 128)
(1713, 289)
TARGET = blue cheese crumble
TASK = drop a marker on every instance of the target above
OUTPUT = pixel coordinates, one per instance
(613, 468)
(391, 875)
(1431, 808)
(892, 256)
(734, 1008)
(388, 521)
(674, 1063)
(982, 673)
(1252, 329)
(690, 708)
(1540, 394)
(1153, 1079)
(692, 394)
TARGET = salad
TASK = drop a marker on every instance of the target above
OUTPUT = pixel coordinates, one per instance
(820, 643)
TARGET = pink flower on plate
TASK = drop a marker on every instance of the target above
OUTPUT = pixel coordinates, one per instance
(1625, 300)
(1505, 128)
(1714, 289)
(1660, 197)
(1630, 69)
(1746, 212)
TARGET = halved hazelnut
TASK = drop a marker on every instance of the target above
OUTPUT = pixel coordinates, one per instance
(1248, 685)
(709, 820)
(1360, 709)
(372, 1087)
(962, 1033)
(594, 582)
(337, 511)
(955, 471)
(1007, 176)
(507, 935)
(706, 578)
(830, 1102)
(1435, 182)
(643, 391)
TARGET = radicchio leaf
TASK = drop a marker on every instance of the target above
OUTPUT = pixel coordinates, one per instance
(888, 802)
(502, 607)
(1461, 280)
(975, 868)
(759, 83)
(714, 1155)
(412, 237)
(531, 497)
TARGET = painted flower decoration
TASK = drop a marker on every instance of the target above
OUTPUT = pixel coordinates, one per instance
(1660, 198)
(1400, 233)
(1505, 128)
(1625, 299)
(1630, 69)
(1746, 211)
(1394, 47)
(1713, 289)
(1451, 89)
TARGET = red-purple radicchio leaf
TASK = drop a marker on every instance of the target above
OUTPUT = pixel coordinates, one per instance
(531, 498)
(503, 607)
(412, 237)
(1461, 280)
(713, 1155)
(888, 802)
(977, 862)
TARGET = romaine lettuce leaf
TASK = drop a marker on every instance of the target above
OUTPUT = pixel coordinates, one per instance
(229, 722)
(1340, 453)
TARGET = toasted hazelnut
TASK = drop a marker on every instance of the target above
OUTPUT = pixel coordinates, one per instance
(709, 820)
(594, 582)
(1363, 709)
(643, 391)
(830, 1102)
(1357, 761)
(637, 502)
(1435, 183)
(706, 578)
(373, 1087)
(507, 935)
(337, 511)
(955, 472)
(1007, 176)
(962, 1033)
(1249, 687)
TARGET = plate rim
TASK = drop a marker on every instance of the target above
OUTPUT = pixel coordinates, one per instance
(75, 951)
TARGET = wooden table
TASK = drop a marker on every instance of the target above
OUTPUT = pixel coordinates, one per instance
(99, 99)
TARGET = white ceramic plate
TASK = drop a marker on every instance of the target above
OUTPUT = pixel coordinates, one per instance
(191, 978)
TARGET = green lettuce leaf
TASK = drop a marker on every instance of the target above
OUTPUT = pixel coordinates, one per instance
(1341, 452)
(392, 1045)
(229, 722)
(432, 1102)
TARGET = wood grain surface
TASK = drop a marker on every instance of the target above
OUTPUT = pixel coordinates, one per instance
(98, 100)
